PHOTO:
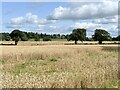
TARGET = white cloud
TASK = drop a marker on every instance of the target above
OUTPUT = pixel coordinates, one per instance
(102, 15)
(29, 19)
(85, 11)
(52, 27)
(108, 20)
(14, 26)
(111, 28)
(88, 26)
(17, 21)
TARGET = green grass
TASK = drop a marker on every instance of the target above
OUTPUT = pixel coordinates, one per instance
(110, 84)
(35, 67)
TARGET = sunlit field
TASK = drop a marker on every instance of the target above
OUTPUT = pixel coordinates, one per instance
(59, 66)
(56, 42)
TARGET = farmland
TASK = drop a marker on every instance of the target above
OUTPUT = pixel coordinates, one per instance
(43, 65)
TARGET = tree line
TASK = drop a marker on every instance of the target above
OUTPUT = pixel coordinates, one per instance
(76, 35)
(25, 36)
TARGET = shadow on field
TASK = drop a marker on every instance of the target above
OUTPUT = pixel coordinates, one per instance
(81, 44)
(91, 44)
(7, 44)
(111, 48)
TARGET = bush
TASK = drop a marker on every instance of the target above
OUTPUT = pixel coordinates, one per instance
(24, 37)
(47, 39)
(7, 38)
(37, 38)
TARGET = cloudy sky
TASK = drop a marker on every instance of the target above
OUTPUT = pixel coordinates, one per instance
(60, 17)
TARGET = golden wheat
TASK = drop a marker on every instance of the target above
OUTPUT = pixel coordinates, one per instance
(60, 66)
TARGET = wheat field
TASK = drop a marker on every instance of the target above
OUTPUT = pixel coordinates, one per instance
(59, 66)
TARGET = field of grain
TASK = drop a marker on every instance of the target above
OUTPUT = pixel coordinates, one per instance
(38, 43)
(60, 66)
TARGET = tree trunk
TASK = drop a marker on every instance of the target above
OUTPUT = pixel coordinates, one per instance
(75, 42)
(16, 42)
(100, 42)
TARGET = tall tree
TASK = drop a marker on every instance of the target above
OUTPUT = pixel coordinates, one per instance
(77, 34)
(118, 38)
(16, 35)
(101, 35)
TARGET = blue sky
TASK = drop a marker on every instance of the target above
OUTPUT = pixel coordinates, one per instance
(59, 17)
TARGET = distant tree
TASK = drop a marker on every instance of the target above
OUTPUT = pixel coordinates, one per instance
(77, 34)
(62, 37)
(30, 35)
(58, 36)
(36, 37)
(54, 36)
(47, 39)
(7, 37)
(114, 39)
(101, 35)
(118, 38)
(0, 36)
(41, 35)
(23, 36)
(16, 35)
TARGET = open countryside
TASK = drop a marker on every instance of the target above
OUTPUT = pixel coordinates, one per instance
(40, 56)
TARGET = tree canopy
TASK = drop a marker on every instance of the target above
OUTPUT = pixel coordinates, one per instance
(77, 34)
(101, 35)
(16, 35)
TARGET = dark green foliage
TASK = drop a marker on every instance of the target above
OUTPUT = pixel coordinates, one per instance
(63, 37)
(46, 39)
(118, 38)
(54, 36)
(5, 36)
(23, 37)
(77, 34)
(37, 38)
(114, 39)
(30, 35)
(101, 35)
(16, 35)
(1, 37)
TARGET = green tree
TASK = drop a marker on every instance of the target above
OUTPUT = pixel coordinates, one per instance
(16, 35)
(77, 34)
(101, 35)
(37, 38)
(23, 36)
(118, 37)
(46, 39)
(7, 37)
